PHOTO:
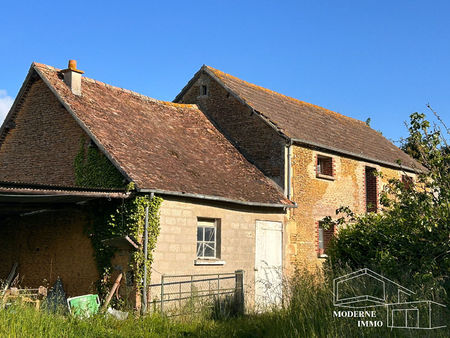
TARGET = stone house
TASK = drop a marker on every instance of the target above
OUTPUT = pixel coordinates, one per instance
(321, 159)
(219, 213)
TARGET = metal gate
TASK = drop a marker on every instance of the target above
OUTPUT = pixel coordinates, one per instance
(183, 294)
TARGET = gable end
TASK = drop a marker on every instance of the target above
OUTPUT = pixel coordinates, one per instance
(259, 141)
(40, 140)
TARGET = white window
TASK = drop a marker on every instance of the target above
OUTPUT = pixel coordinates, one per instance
(208, 246)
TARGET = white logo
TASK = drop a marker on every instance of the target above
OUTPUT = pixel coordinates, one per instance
(366, 294)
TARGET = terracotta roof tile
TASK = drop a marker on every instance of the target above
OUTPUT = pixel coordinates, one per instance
(315, 125)
(161, 145)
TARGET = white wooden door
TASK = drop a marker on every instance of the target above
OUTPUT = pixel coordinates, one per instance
(268, 264)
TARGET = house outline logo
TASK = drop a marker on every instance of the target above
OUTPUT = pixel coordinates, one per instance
(386, 296)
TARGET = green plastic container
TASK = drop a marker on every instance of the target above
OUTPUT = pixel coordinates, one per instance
(84, 306)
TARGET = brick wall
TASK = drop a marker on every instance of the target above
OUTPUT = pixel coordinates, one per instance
(49, 245)
(42, 146)
(257, 141)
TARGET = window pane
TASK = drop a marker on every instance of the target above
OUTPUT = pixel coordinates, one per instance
(199, 249)
(199, 234)
(209, 250)
(325, 166)
(320, 237)
(209, 234)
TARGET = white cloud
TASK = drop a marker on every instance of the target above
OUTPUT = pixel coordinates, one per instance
(5, 103)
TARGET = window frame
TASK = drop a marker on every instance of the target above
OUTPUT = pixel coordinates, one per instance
(204, 90)
(215, 224)
(321, 233)
(319, 167)
(371, 207)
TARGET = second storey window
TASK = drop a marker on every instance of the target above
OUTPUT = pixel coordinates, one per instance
(204, 90)
(208, 238)
(371, 190)
(324, 165)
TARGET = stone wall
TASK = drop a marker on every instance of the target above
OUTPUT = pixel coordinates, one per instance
(176, 248)
(256, 140)
(318, 197)
(49, 245)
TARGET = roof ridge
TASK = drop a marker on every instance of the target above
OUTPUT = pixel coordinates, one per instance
(128, 91)
(220, 73)
(173, 149)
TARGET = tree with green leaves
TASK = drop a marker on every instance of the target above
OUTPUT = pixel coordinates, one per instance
(409, 240)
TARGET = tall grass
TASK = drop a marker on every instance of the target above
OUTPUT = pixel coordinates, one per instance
(20, 321)
(307, 312)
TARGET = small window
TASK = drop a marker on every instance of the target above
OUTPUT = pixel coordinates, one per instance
(407, 181)
(208, 235)
(325, 236)
(371, 190)
(324, 165)
(204, 90)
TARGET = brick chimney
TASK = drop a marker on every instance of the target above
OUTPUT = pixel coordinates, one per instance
(72, 77)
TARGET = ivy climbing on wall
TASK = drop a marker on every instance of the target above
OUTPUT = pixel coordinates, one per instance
(115, 217)
(135, 218)
(94, 170)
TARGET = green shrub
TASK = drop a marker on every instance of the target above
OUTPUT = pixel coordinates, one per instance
(409, 241)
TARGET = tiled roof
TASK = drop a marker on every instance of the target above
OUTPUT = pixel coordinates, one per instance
(163, 146)
(314, 125)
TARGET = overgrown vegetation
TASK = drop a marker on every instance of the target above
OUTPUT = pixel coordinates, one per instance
(124, 218)
(309, 313)
(94, 170)
(410, 239)
(115, 218)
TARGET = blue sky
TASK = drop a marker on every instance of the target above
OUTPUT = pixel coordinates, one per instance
(377, 59)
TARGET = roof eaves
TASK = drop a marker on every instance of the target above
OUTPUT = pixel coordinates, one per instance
(219, 199)
(295, 140)
(26, 185)
(82, 125)
(49, 193)
(349, 153)
(36, 192)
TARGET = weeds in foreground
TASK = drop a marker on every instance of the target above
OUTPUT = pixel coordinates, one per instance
(308, 312)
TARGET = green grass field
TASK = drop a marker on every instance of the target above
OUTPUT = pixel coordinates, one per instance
(309, 314)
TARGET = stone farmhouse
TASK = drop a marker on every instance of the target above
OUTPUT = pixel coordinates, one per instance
(215, 202)
(321, 159)
(245, 174)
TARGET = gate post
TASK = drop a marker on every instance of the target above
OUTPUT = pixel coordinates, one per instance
(162, 293)
(239, 291)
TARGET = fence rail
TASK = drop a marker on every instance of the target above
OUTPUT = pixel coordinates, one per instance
(179, 294)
